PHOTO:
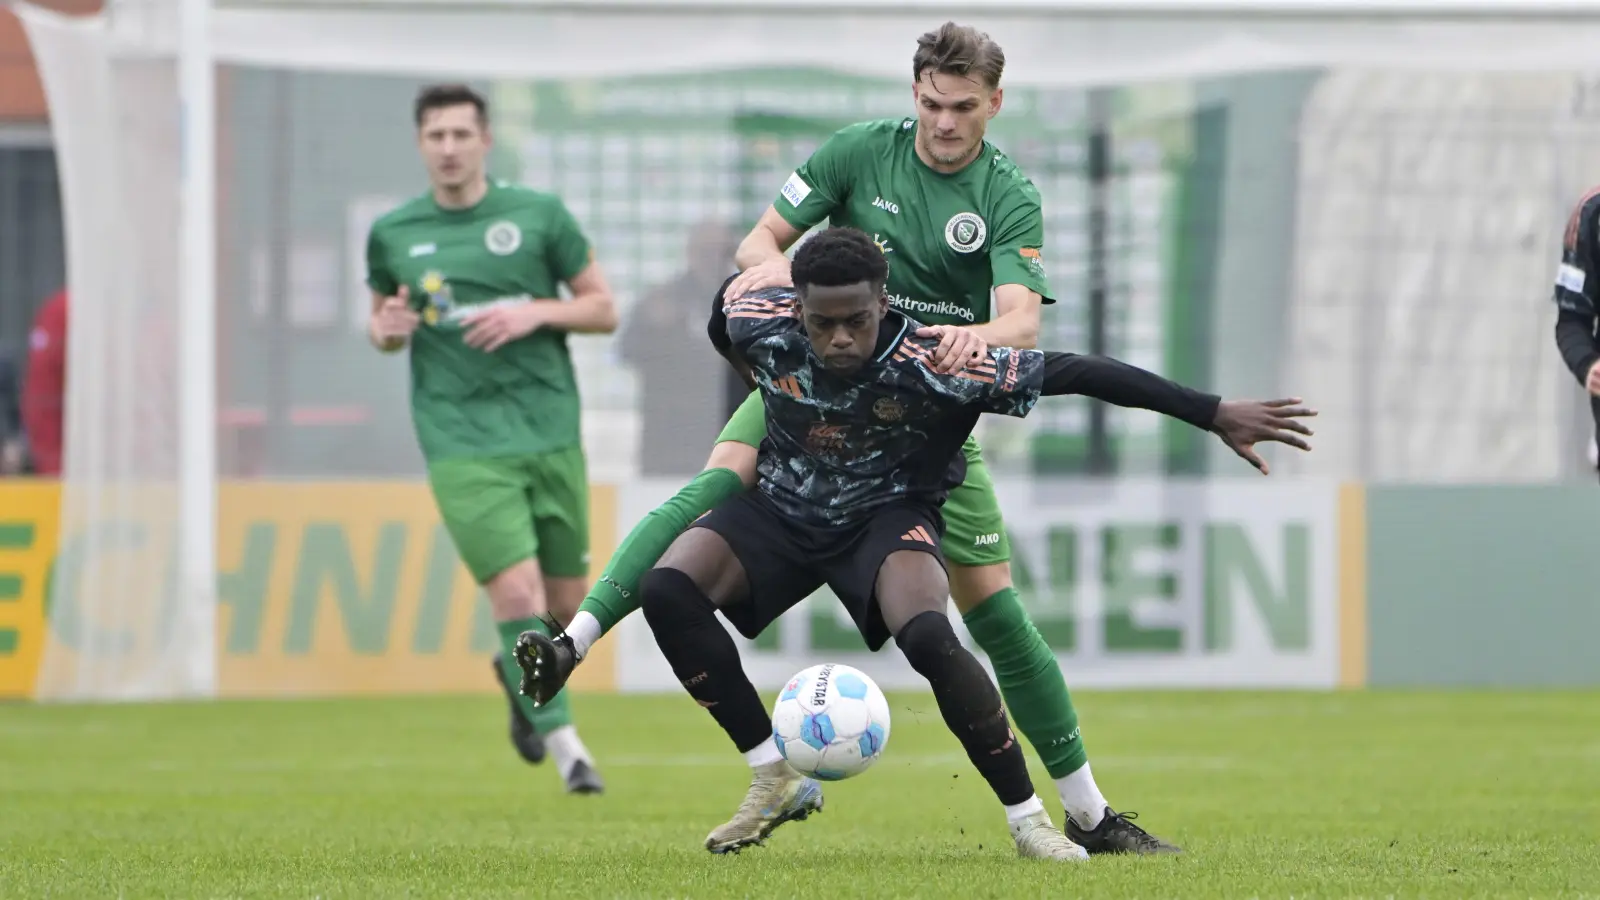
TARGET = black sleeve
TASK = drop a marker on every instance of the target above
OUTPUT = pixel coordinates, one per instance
(1577, 283)
(1575, 339)
(717, 327)
(1117, 382)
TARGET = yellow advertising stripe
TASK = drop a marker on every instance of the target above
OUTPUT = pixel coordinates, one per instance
(1353, 636)
(29, 512)
(599, 670)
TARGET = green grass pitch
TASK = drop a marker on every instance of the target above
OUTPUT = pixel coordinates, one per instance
(1468, 794)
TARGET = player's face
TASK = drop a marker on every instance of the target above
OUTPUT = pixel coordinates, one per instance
(953, 113)
(454, 143)
(842, 323)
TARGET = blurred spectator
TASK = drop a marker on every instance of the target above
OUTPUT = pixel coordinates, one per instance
(683, 384)
(12, 454)
(44, 394)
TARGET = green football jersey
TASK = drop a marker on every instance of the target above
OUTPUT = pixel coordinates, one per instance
(949, 238)
(514, 246)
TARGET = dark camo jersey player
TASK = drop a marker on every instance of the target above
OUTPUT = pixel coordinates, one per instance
(863, 445)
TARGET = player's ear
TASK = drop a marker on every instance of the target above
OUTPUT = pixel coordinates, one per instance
(995, 101)
(883, 302)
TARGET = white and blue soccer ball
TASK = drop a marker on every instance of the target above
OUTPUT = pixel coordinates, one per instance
(831, 722)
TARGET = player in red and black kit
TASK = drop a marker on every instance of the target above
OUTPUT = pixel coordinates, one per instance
(1577, 297)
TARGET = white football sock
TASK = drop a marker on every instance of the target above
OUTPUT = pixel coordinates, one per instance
(584, 629)
(567, 749)
(1081, 798)
(764, 754)
(1016, 815)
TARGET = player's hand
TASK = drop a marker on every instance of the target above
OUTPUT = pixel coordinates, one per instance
(772, 273)
(492, 329)
(1592, 383)
(958, 347)
(395, 321)
(1244, 423)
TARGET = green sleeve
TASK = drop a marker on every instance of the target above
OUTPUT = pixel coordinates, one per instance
(822, 184)
(379, 276)
(1014, 254)
(566, 247)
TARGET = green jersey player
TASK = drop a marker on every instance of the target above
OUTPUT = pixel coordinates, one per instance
(467, 275)
(957, 221)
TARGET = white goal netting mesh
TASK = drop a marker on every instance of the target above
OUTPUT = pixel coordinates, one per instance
(1373, 235)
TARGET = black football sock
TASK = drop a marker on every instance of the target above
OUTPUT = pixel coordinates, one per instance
(703, 655)
(969, 703)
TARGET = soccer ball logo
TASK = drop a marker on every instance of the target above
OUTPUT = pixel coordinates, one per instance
(831, 722)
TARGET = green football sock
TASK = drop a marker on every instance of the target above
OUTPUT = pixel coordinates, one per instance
(552, 715)
(1030, 681)
(616, 594)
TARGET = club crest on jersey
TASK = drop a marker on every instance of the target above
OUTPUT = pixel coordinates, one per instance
(503, 238)
(965, 232)
(887, 409)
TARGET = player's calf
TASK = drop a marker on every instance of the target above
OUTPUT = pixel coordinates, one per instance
(971, 708)
(706, 661)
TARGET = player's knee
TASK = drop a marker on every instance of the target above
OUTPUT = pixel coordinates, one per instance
(928, 642)
(668, 596)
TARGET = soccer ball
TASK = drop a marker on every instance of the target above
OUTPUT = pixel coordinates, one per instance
(831, 722)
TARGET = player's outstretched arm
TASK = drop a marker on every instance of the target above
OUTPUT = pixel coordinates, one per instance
(1240, 424)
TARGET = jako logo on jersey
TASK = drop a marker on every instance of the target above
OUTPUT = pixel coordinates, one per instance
(503, 238)
(881, 203)
(986, 540)
(906, 304)
(965, 232)
(423, 249)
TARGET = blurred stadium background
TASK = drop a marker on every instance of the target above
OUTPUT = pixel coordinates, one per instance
(1361, 209)
(1358, 203)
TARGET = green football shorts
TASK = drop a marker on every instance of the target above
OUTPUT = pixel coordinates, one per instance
(502, 511)
(974, 533)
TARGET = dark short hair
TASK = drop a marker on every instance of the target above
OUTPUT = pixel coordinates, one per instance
(440, 96)
(959, 50)
(835, 257)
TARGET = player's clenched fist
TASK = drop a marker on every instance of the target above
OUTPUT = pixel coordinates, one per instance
(393, 322)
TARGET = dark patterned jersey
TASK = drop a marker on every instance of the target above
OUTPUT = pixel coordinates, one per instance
(838, 447)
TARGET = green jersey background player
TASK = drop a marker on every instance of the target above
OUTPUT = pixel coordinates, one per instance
(956, 219)
(467, 275)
